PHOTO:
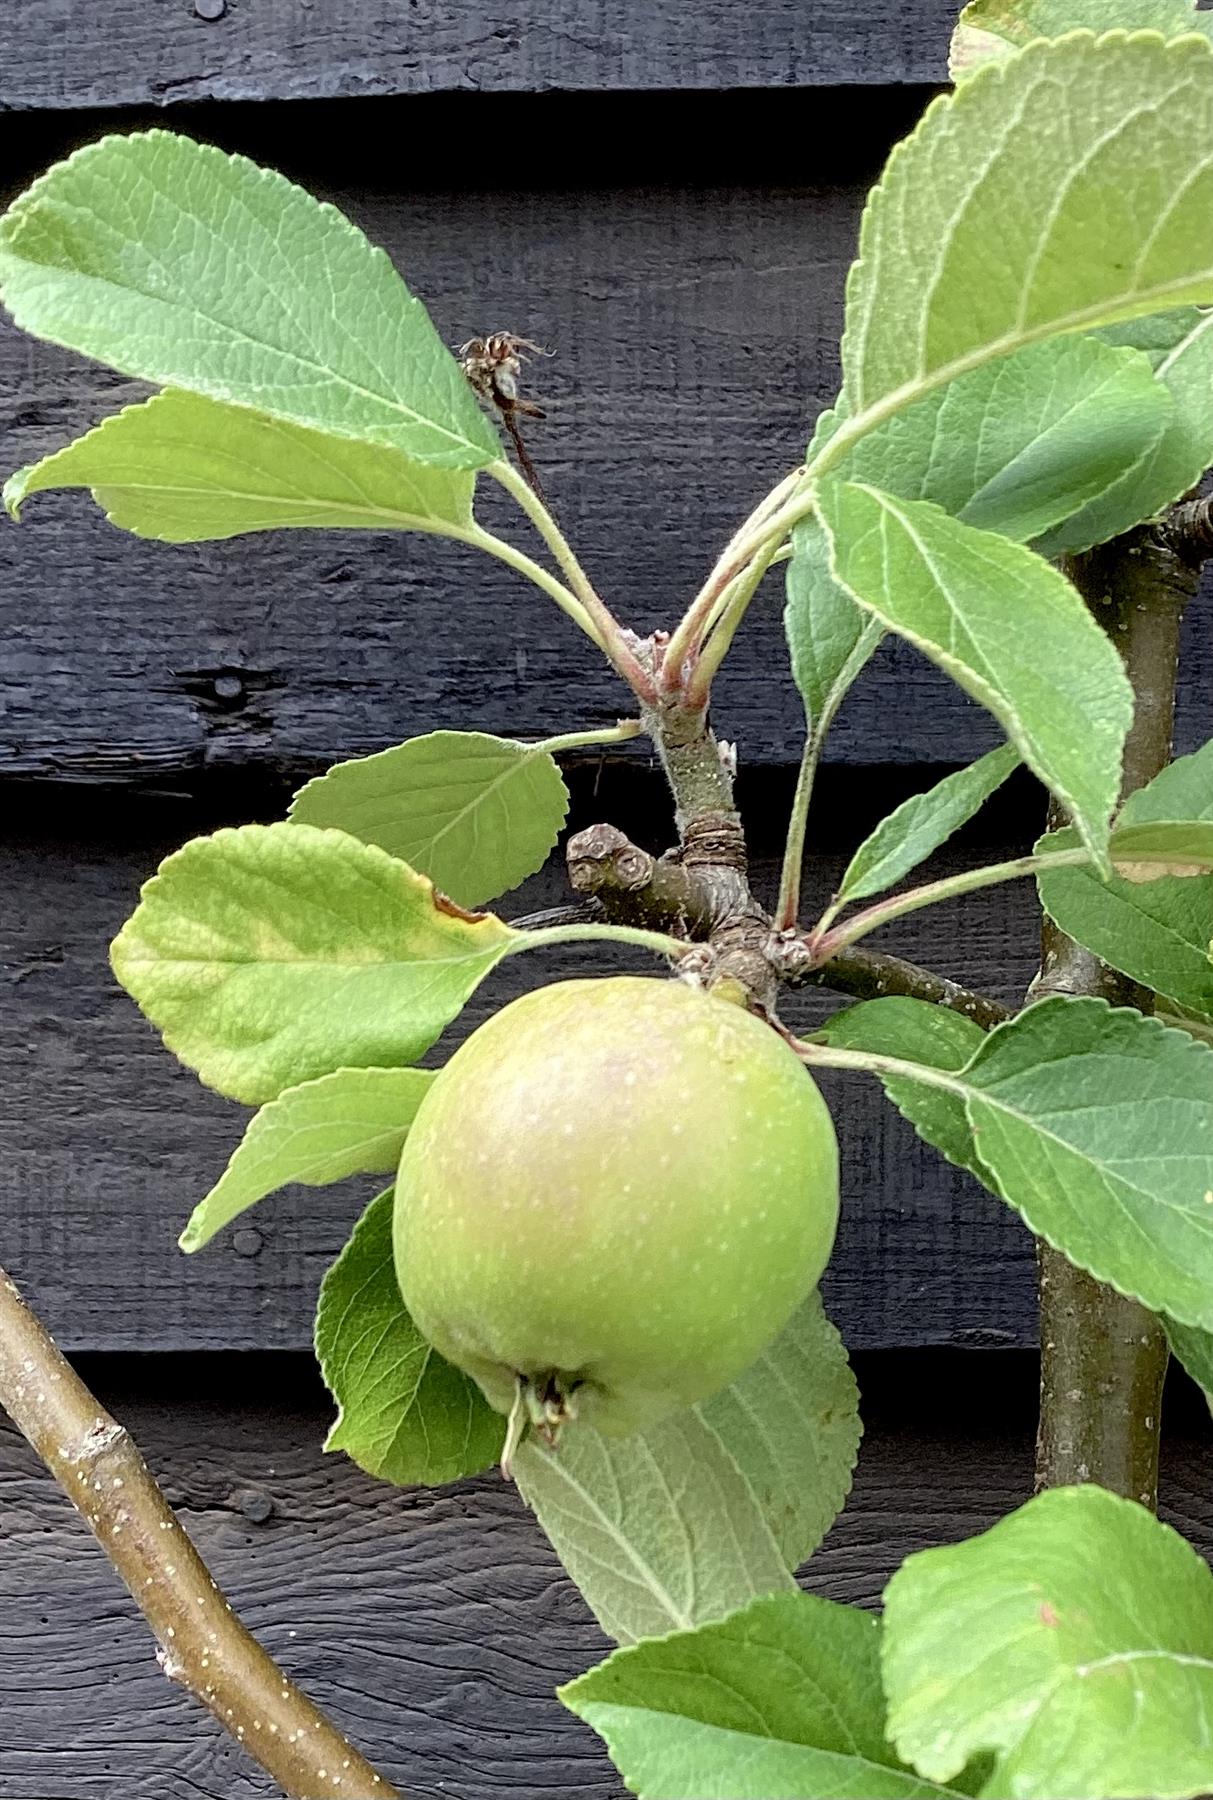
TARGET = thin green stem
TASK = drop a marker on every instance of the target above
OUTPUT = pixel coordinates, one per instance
(865, 1062)
(696, 621)
(787, 909)
(519, 489)
(723, 628)
(951, 887)
(657, 941)
(582, 740)
(608, 632)
(543, 578)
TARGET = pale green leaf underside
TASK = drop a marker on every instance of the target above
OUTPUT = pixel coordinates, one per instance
(1157, 932)
(475, 813)
(1019, 445)
(1074, 1639)
(791, 1424)
(352, 1122)
(181, 265)
(780, 1702)
(1005, 625)
(1183, 364)
(991, 30)
(830, 638)
(268, 955)
(917, 828)
(405, 1414)
(1096, 1125)
(661, 1531)
(183, 468)
(1015, 447)
(1061, 190)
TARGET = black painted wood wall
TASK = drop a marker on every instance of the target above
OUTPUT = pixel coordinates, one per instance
(667, 195)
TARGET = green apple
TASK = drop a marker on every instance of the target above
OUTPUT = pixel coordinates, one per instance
(613, 1197)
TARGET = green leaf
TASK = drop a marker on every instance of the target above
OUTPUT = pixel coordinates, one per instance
(1019, 445)
(404, 1414)
(829, 637)
(791, 1424)
(921, 824)
(780, 1702)
(477, 814)
(1074, 1639)
(1156, 932)
(183, 468)
(181, 265)
(267, 955)
(352, 1122)
(660, 1531)
(992, 30)
(916, 1032)
(1061, 190)
(1097, 1126)
(1194, 1349)
(1006, 626)
(1181, 351)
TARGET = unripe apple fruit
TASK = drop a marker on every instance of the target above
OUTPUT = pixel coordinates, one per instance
(613, 1197)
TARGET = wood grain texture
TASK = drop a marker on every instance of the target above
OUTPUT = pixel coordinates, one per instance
(106, 1143)
(433, 1625)
(696, 332)
(72, 54)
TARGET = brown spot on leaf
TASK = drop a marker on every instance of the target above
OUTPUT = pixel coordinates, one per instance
(445, 904)
(1142, 872)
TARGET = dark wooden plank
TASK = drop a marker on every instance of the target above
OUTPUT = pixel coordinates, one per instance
(71, 53)
(434, 1625)
(696, 331)
(105, 1143)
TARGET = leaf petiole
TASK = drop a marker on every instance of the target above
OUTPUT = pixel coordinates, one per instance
(705, 608)
(1138, 853)
(871, 1062)
(657, 941)
(621, 733)
(606, 629)
(543, 578)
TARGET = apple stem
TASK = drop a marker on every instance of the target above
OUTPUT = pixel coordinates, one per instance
(515, 1430)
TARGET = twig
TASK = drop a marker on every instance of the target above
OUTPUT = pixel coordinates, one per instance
(203, 1645)
(618, 644)
(631, 886)
(870, 975)
(1103, 1357)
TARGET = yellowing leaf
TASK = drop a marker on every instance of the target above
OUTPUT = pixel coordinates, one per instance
(268, 955)
(183, 468)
